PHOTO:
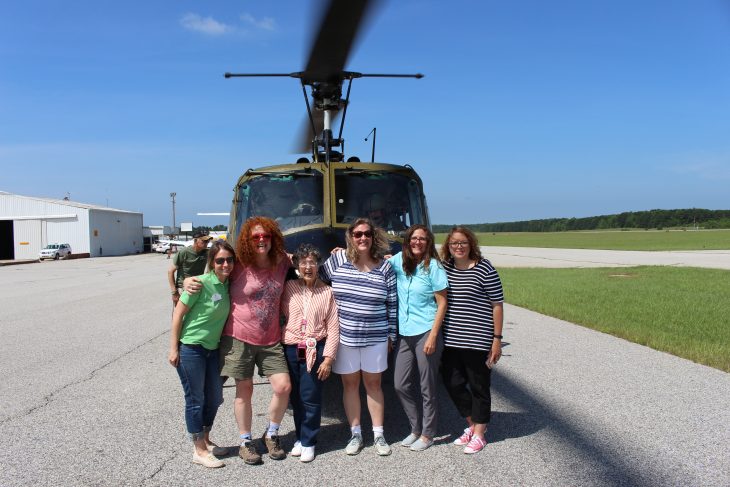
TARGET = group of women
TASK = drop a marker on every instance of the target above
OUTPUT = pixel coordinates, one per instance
(344, 316)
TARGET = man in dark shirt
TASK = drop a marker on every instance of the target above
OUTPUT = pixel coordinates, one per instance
(189, 261)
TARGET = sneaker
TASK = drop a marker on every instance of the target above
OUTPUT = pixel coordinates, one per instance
(307, 454)
(297, 450)
(409, 440)
(248, 452)
(475, 445)
(420, 445)
(276, 452)
(465, 438)
(354, 445)
(381, 446)
(207, 460)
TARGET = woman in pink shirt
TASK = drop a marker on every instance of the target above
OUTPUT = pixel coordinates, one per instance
(252, 334)
(310, 340)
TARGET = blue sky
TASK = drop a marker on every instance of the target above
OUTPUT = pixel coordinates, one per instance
(529, 109)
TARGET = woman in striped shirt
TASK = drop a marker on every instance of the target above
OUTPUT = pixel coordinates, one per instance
(472, 333)
(310, 341)
(364, 286)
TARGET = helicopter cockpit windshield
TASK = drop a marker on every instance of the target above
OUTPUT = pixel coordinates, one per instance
(294, 200)
(392, 201)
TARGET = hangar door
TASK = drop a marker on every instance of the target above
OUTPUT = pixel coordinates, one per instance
(28, 238)
(6, 240)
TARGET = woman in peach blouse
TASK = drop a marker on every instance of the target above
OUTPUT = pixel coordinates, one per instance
(310, 342)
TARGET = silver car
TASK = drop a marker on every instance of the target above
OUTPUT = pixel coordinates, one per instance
(55, 251)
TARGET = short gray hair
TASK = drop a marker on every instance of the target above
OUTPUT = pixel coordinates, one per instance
(307, 250)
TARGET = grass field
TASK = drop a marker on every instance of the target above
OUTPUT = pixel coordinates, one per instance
(683, 311)
(610, 240)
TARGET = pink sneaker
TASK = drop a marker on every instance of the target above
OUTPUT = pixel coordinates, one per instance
(475, 445)
(464, 439)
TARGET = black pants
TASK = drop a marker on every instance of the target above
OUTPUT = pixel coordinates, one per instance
(467, 379)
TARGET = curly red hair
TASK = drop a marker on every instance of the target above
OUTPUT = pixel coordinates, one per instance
(245, 246)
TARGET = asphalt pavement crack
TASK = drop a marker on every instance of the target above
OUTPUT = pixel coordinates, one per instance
(160, 468)
(49, 398)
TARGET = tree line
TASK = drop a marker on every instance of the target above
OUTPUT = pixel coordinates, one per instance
(659, 219)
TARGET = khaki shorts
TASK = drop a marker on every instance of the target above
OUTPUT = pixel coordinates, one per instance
(239, 358)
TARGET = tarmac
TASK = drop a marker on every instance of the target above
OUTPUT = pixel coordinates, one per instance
(543, 257)
(87, 398)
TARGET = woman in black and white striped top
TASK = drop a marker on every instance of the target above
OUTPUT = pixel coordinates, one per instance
(472, 331)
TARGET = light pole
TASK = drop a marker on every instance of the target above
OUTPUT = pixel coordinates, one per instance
(172, 195)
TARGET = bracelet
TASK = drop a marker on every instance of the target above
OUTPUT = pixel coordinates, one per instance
(174, 292)
(498, 336)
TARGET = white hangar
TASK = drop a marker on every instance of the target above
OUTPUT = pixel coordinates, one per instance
(27, 224)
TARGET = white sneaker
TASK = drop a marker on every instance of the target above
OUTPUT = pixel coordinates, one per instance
(307, 454)
(297, 449)
(382, 447)
(354, 445)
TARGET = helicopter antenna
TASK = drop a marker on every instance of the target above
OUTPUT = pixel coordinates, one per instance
(374, 131)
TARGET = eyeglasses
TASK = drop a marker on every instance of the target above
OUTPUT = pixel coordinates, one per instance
(307, 264)
(366, 234)
(419, 239)
(260, 236)
(221, 260)
(461, 243)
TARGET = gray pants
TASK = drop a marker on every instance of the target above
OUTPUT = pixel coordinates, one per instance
(409, 360)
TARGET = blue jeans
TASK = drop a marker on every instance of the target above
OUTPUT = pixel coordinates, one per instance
(199, 374)
(306, 394)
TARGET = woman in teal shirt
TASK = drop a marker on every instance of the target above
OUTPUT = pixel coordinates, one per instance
(422, 288)
(197, 323)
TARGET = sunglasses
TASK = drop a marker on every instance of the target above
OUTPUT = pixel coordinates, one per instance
(221, 260)
(367, 234)
(260, 236)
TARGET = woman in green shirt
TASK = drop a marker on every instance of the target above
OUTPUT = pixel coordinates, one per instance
(197, 324)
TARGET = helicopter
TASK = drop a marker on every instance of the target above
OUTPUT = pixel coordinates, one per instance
(316, 198)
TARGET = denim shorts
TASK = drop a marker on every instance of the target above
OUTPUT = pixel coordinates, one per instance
(239, 358)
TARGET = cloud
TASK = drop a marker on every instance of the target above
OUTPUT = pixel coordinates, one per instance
(210, 26)
(205, 25)
(265, 23)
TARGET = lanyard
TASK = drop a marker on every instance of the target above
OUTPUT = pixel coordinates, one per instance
(305, 306)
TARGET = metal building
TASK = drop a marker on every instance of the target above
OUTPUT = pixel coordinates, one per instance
(27, 224)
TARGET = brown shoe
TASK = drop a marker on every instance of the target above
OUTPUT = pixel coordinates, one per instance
(248, 452)
(276, 452)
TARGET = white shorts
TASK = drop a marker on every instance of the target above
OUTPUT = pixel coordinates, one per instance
(373, 359)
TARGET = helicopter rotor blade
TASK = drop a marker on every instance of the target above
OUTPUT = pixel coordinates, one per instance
(335, 38)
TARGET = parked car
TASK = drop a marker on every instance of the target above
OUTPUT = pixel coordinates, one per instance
(162, 247)
(55, 251)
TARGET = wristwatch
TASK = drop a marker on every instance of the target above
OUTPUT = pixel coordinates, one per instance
(498, 336)
(174, 292)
